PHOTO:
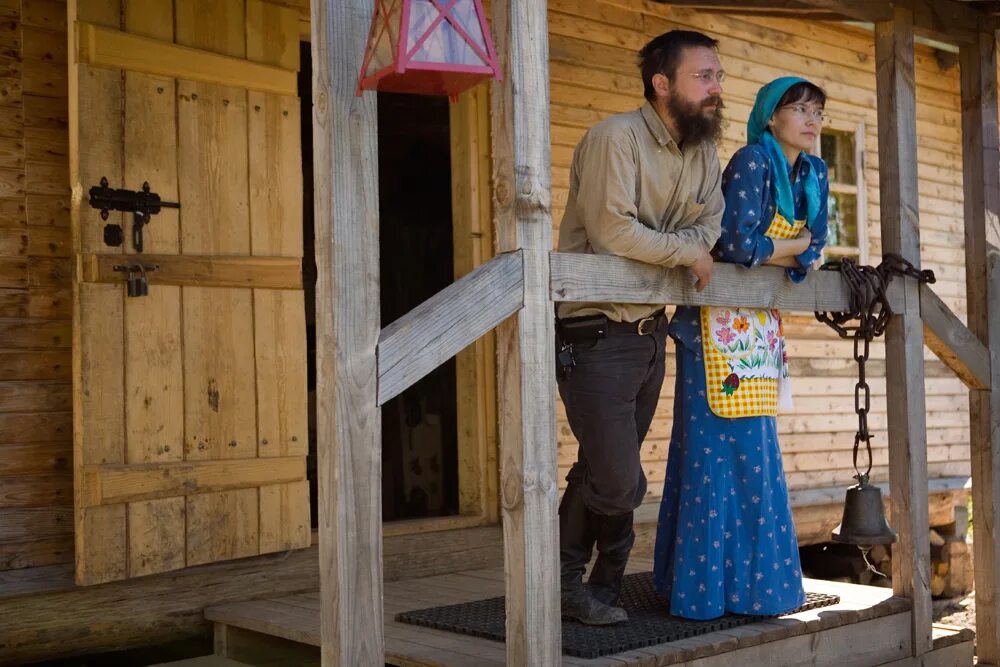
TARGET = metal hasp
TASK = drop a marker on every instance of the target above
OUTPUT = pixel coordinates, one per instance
(137, 284)
(141, 204)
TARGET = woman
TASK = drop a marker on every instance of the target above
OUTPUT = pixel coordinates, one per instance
(725, 542)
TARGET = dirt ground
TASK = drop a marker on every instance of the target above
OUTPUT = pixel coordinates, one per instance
(960, 611)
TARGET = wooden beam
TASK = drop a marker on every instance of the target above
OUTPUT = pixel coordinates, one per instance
(579, 277)
(799, 14)
(858, 10)
(345, 160)
(439, 328)
(113, 49)
(475, 366)
(953, 342)
(109, 484)
(199, 270)
(940, 19)
(897, 141)
(981, 180)
(526, 364)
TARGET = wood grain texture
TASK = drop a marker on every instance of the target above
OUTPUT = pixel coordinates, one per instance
(981, 177)
(200, 270)
(580, 277)
(163, 607)
(103, 48)
(220, 401)
(953, 342)
(475, 366)
(526, 365)
(904, 335)
(110, 484)
(455, 317)
(280, 352)
(345, 165)
(212, 168)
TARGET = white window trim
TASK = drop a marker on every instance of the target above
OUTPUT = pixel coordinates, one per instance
(858, 129)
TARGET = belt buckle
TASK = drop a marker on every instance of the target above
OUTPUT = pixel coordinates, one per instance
(646, 325)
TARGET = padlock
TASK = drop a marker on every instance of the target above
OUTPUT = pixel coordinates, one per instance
(133, 284)
(143, 281)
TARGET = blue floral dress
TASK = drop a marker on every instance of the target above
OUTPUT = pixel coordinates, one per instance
(725, 540)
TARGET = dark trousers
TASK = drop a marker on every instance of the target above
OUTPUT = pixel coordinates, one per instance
(610, 397)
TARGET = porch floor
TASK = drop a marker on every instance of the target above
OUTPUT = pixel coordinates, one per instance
(869, 627)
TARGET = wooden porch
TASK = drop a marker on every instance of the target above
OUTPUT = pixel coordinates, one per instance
(363, 365)
(247, 631)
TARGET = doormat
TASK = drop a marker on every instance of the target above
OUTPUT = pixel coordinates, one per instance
(648, 624)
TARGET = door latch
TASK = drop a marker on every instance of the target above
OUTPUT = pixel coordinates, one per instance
(142, 204)
(136, 282)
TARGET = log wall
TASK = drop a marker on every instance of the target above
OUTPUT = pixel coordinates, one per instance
(36, 483)
(593, 74)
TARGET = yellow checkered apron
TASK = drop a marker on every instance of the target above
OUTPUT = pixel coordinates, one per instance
(730, 393)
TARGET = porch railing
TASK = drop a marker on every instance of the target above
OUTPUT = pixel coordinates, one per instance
(360, 366)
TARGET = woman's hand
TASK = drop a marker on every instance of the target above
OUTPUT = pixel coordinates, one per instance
(803, 240)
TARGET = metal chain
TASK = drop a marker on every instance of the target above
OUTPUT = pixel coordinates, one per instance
(869, 305)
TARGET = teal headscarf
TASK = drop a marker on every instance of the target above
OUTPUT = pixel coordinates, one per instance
(759, 133)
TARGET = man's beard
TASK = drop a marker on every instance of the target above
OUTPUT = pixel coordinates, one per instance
(692, 123)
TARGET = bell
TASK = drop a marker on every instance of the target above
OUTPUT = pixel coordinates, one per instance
(864, 517)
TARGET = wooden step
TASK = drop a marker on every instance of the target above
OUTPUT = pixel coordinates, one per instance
(203, 661)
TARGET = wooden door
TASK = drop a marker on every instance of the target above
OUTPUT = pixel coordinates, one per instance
(190, 426)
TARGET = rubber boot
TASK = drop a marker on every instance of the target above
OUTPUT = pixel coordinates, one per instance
(615, 538)
(577, 536)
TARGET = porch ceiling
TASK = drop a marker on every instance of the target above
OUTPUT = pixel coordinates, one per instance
(950, 20)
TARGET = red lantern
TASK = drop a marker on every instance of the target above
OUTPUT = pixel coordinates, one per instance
(430, 47)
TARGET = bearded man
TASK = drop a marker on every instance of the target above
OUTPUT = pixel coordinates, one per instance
(646, 185)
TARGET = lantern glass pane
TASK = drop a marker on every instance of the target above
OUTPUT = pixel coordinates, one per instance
(386, 39)
(465, 13)
(444, 44)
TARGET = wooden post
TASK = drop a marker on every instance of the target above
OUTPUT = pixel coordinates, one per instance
(897, 156)
(523, 219)
(981, 176)
(345, 160)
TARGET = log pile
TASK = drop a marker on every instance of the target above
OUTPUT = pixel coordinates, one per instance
(951, 561)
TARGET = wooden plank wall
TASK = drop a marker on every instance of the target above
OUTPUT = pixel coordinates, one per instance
(36, 483)
(593, 74)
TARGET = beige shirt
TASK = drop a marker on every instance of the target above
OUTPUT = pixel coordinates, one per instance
(635, 193)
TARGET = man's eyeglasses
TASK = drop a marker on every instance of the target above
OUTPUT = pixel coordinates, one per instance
(802, 111)
(707, 76)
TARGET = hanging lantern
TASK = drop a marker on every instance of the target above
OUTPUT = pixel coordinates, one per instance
(429, 47)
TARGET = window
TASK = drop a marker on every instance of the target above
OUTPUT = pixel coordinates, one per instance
(841, 145)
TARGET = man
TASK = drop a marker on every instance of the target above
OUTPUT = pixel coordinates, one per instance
(644, 185)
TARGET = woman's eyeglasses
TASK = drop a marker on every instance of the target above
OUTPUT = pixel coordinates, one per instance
(802, 111)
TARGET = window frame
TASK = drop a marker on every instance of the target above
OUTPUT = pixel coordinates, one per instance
(859, 189)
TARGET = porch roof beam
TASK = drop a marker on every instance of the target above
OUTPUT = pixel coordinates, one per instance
(947, 20)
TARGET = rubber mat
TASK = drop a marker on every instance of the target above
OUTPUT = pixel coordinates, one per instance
(649, 623)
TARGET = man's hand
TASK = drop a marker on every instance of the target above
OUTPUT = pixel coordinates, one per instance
(702, 270)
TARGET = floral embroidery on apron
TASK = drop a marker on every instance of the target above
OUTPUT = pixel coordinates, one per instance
(744, 351)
